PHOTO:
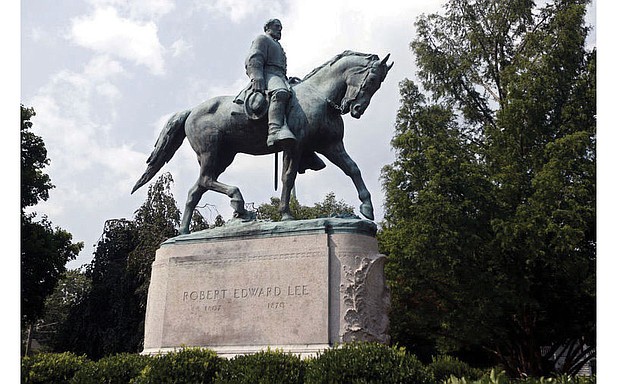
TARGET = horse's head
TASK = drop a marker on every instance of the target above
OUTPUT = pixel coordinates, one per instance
(362, 83)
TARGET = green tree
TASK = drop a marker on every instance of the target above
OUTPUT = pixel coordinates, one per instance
(35, 183)
(490, 205)
(156, 220)
(219, 221)
(329, 207)
(111, 319)
(199, 222)
(436, 228)
(72, 288)
(44, 250)
(104, 322)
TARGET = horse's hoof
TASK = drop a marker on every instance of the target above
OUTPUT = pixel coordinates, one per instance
(287, 217)
(244, 216)
(184, 231)
(367, 211)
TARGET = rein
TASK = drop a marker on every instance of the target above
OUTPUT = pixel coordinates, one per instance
(334, 105)
(329, 101)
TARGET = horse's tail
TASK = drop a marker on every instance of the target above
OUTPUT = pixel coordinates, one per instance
(170, 139)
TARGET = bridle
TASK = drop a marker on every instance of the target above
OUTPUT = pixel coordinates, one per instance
(344, 106)
(347, 99)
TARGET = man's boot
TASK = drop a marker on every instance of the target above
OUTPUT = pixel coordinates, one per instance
(278, 130)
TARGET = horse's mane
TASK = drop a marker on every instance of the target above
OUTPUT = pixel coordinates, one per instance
(369, 56)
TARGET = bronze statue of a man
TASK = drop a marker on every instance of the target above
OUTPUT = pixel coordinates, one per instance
(266, 68)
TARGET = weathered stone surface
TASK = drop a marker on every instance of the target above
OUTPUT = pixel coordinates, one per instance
(364, 298)
(300, 286)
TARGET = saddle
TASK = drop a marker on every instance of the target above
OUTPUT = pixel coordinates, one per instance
(255, 106)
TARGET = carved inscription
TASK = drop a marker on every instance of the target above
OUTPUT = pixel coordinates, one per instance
(217, 299)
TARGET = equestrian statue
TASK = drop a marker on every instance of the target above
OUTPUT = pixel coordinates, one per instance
(274, 113)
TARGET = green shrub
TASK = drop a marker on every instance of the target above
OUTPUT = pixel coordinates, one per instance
(499, 377)
(347, 363)
(444, 366)
(561, 379)
(491, 377)
(188, 365)
(265, 367)
(121, 369)
(565, 379)
(51, 367)
(366, 363)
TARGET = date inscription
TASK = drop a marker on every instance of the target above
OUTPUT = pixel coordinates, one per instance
(216, 300)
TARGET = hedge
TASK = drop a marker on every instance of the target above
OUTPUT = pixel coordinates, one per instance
(266, 367)
(188, 365)
(444, 366)
(115, 369)
(51, 367)
(366, 363)
(347, 363)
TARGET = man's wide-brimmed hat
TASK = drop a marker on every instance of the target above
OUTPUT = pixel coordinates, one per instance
(256, 105)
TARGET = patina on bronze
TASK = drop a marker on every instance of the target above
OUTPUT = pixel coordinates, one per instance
(219, 128)
(266, 68)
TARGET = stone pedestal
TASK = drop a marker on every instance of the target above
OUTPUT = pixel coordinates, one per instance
(299, 286)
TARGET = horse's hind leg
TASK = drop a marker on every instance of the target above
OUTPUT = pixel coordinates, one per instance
(211, 167)
(195, 193)
(193, 197)
(204, 184)
(236, 199)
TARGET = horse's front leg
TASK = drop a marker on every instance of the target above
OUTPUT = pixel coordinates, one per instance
(339, 156)
(290, 166)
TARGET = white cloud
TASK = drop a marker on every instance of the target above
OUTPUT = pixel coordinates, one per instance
(37, 34)
(102, 67)
(149, 9)
(98, 70)
(75, 115)
(92, 173)
(108, 33)
(198, 90)
(360, 25)
(240, 10)
(180, 47)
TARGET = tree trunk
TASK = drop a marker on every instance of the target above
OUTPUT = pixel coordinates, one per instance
(29, 340)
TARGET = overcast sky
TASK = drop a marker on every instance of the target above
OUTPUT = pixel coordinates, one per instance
(104, 75)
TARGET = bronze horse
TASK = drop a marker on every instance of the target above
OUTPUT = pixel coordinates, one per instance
(218, 129)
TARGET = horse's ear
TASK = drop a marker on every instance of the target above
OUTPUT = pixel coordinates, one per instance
(385, 59)
(384, 62)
